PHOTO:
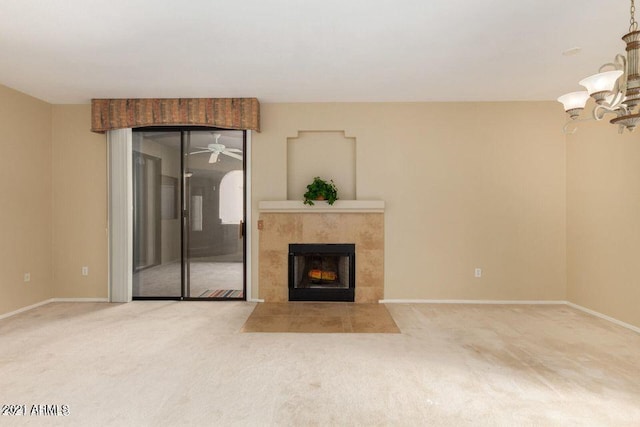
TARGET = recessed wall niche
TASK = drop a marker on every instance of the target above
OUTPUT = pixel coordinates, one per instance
(327, 154)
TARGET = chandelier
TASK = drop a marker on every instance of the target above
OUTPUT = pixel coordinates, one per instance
(615, 89)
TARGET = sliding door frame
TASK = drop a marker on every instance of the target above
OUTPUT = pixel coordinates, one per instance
(185, 215)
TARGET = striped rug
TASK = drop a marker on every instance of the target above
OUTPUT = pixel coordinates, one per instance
(222, 293)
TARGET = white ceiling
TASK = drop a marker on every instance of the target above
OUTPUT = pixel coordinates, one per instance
(306, 51)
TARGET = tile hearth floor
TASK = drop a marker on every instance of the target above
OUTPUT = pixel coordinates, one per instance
(321, 317)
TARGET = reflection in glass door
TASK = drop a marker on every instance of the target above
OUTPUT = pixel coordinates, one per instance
(214, 201)
(157, 249)
(188, 189)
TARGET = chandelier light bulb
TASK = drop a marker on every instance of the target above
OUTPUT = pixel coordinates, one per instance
(574, 100)
(601, 82)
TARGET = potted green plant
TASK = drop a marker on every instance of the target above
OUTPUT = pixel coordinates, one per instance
(320, 189)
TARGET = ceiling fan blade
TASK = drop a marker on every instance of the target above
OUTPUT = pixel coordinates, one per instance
(234, 150)
(213, 158)
(202, 148)
(234, 155)
(200, 152)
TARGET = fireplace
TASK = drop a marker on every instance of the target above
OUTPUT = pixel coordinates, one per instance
(360, 222)
(322, 272)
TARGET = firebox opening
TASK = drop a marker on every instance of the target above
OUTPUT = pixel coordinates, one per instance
(322, 272)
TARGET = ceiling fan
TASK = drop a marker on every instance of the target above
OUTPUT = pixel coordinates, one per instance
(216, 149)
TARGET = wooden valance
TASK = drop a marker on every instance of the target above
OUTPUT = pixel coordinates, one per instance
(226, 113)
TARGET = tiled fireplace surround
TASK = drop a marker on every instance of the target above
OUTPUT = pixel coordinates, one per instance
(285, 222)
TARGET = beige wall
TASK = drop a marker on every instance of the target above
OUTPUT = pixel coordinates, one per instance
(465, 185)
(603, 216)
(323, 154)
(25, 200)
(79, 204)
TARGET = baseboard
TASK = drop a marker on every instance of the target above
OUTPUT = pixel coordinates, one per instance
(79, 300)
(469, 301)
(23, 309)
(255, 300)
(604, 316)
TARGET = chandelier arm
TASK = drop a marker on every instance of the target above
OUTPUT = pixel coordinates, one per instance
(599, 111)
(619, 63)
(617, 101)
(621, 84)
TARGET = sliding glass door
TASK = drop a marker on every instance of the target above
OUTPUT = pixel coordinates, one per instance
(214, 200)
(188, 190)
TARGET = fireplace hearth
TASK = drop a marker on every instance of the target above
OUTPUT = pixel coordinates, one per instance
(322, 272)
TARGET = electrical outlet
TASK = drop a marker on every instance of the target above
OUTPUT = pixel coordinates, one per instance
(27, 277)
(85, 271)
(477, 272)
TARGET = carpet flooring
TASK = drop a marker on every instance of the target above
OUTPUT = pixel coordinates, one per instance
(169, 363)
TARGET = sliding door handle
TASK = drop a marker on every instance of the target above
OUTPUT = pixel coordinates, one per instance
(241, 230)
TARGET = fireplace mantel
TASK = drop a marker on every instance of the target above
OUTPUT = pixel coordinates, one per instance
(340, 206)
